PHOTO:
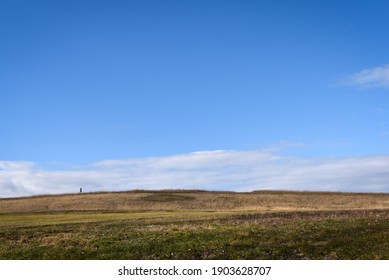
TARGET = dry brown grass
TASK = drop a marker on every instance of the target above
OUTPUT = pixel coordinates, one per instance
(195, 200)
(196, 225)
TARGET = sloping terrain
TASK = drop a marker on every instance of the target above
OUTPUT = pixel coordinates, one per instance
(195, 200)
(196, 225)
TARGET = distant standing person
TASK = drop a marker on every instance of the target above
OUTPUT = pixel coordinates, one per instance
(80, 190)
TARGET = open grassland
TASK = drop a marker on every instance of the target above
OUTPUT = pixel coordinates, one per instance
(196, 225)
(195, 200)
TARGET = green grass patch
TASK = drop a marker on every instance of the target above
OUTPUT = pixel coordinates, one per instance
(194, 235)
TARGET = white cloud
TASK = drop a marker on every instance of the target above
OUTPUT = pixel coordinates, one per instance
(371, 78)
(223, 170)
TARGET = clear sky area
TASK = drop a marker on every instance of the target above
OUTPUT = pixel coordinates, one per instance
(230, 95)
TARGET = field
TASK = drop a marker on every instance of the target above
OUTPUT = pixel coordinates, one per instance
(196, 225)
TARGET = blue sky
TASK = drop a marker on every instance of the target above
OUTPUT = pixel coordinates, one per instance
(86, 82)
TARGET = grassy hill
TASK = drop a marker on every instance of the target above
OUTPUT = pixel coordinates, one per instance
(195, 200)
(196, 225)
